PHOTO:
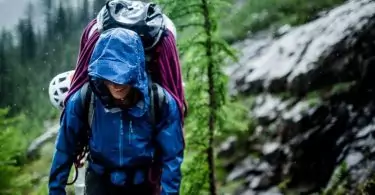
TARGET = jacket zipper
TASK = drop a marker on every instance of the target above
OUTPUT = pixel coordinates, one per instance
(121, 138)
(130, 132)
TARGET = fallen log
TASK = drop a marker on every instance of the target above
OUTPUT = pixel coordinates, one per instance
(37, 144)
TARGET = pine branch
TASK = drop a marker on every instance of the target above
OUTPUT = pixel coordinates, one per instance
(186, 10)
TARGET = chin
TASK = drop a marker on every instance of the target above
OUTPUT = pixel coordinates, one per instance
(119, 97)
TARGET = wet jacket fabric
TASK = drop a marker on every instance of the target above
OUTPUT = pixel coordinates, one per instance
(122, 139)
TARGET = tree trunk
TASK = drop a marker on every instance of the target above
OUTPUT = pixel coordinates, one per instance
(212, 98)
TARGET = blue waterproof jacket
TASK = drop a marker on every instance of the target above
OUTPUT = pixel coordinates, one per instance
(121, 138)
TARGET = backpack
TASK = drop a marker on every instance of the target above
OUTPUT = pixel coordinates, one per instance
(161, 60)
(144, 18)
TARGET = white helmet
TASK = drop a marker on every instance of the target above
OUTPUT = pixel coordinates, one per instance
(59, 87)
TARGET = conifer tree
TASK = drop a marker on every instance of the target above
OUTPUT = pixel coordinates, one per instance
(202, 54)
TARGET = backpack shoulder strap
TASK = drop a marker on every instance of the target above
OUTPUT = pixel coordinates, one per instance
(87, 100)
(158, 99)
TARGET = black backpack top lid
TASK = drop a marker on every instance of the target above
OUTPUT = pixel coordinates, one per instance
(144, 18)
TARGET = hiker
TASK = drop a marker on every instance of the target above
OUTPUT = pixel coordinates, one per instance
(123, 140)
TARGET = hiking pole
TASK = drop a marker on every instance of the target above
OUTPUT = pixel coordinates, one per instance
(79, 185)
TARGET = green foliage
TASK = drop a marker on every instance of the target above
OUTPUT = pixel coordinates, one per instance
(233, 119)
(11, 142)
(17, 174)
(28, 62)
(195, 176)
(284, 184)
(342, 87)
(337, 185)
(210, 113)
(29, 58)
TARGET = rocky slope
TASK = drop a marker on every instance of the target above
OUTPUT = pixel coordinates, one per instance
(314, 104)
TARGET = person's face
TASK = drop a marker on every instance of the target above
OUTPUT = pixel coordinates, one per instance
(118, 91)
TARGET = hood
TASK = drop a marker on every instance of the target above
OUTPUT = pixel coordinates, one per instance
(119, 57)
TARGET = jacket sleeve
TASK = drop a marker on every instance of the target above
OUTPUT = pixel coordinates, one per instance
(70, 124)
(171, 141)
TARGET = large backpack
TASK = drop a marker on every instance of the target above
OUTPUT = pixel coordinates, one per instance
(144, 18)
(162, 62)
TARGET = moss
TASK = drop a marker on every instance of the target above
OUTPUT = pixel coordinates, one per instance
(368, 187)
(284, 184)
(284, 95)
(313, 101)
(231, 187)
(342, 87)
(338, 181)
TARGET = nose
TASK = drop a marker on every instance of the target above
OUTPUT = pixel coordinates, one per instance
(117, 86)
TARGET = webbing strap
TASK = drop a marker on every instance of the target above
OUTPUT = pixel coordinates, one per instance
(91, 109)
